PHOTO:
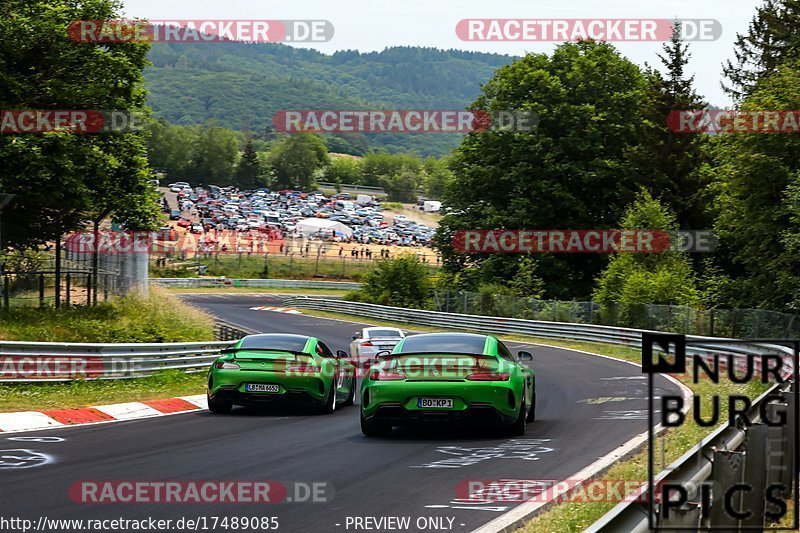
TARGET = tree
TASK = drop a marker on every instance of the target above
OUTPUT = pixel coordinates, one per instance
(64, 180)
(344, 169)
(437, 177)
(402, 282)
(756, 183)
(674, 161)
(772, 38)
(296, 158)
(632, 280)
(248, 173)
(379, 165)
(214, 155)
(572, 171)
(170, 147)
(401, 187)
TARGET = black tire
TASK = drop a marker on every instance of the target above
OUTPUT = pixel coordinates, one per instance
(219, 407)
(352, 396)
(374, 429)
(330, 404)
(520, 425)
(532, 412)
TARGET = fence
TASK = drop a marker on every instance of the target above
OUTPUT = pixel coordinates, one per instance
(37, 279)
(737, 323)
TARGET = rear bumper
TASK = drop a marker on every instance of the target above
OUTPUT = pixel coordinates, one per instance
(397, 415)
(397, 402)
(289, 397)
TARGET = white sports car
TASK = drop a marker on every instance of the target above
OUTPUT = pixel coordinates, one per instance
(369, 341)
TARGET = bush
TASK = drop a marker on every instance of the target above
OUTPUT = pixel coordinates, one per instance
(401, 282)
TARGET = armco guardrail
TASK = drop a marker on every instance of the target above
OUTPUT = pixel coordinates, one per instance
(557, 330)
(56, 361)
(767, 452)
(256, 283)
(756, 457)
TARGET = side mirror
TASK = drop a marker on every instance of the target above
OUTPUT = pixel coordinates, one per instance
(383, 353)
(228, 350)
(341, 354)
(525, 356)
(357, 335)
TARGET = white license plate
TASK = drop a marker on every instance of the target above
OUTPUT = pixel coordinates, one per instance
(386, 347)
(262, 387)
(435, 403)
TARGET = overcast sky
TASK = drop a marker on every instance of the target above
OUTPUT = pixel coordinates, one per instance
(370, 25)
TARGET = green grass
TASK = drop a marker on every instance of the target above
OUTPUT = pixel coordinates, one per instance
(160, 318)
(82, 393)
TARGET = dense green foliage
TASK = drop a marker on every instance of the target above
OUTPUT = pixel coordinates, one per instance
(633, 279)
(62, 180)
(572, 171)
(401, 282)
(242, 85)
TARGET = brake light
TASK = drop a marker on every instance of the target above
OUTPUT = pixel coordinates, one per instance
(301, 370)
(382, 375)
(367, 343)
(226, 365)
(489, 376)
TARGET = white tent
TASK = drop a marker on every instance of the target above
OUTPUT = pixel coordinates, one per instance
(311, 226)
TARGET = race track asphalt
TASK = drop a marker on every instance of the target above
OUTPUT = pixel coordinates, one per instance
(587, 406)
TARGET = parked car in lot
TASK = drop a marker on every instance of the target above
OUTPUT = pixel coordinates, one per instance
(178, 186)
(175, 214)
(369, 341)
(448, 377)
(274, 368)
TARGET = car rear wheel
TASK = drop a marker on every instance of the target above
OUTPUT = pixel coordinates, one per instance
(352, 396)
(532, 412)
(330, 403)
(520, 425)
(219, 407)
(374, 429)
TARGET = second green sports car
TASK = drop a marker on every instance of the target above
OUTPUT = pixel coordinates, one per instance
(441, 377)
(277, 367)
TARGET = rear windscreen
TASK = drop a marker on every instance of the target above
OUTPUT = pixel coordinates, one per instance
(293, 343)
(383, 333)
(466, 344)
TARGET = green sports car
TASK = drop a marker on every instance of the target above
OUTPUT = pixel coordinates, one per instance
(444, 377)
(280, 368)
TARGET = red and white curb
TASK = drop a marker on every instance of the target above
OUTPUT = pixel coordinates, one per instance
(277, 309)
(98, 414)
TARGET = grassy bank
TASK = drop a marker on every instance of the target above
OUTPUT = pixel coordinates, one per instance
(161, 317)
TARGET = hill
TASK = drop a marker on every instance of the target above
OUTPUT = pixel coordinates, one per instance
(241, 86)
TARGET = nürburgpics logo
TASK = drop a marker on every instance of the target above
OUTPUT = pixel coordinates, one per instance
(402, 120)
(199, 31)
(598, 29)
(735, 486)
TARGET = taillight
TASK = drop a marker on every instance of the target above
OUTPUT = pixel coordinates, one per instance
(226, 365)
(489, 376)
(382, 375)
(301, 370)
(367, 343)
